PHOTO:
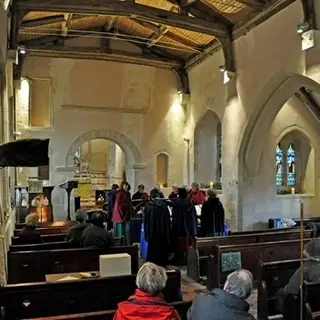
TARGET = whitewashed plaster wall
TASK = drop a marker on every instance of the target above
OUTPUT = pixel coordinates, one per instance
(266, 59)
(138, 104)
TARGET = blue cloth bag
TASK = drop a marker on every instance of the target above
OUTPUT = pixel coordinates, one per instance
(143, 244)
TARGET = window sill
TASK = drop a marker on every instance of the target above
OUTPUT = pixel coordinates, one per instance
(295, 196)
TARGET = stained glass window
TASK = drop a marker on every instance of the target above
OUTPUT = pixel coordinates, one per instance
(219, 153)
(279, 166)
(291, 166)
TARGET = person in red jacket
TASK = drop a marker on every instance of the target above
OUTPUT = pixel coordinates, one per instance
(122, 213)
(147, 301)
(196, 195)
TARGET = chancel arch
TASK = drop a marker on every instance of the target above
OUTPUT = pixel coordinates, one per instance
(207, 149)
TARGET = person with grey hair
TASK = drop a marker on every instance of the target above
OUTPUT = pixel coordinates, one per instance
(196, 195)
(29, 234)
(174, 193)
(147, 301)
(226, 304)
(212, 216)
(75, 232)
(311, 271)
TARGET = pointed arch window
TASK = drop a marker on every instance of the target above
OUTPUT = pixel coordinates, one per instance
(279, 166)
(291, 166)
(219, 152)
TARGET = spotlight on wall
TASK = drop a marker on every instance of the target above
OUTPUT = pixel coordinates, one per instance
(186, 139)
(222, 68)
(303, 27)
(17, 133)
(22, 49)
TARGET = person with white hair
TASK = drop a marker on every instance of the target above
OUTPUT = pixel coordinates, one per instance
(147, 301)
(311, 271)
(75, 232)
(29, 234)
(227, 304)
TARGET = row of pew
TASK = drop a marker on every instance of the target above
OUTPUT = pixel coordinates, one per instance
(97, 298)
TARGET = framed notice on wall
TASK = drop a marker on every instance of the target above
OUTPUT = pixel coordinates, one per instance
(230, 261)
(35, 186)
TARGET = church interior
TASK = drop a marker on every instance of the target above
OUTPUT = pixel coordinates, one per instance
(223, 95)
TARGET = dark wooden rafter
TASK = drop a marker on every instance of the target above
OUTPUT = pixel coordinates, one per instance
(66, 24)
(126, 9)
(305, 96)
(17, 68)
(172, 36)
(309, 13)
(256, 4)
(182, 79)
(98, 54)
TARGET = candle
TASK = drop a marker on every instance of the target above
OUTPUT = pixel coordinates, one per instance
(292, 191)
(211, 185)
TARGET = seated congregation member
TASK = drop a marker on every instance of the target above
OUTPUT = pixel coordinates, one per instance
(212, 216)
(75, 232)
(161, 195)
(122, 213)
(196, 195)
(226, 304)
(184, 226)
(29, 234)
(96, 235)
(111, 201)
(140, 195)
(157, 229)
(311, 271)
(174, 193)
(147, 301)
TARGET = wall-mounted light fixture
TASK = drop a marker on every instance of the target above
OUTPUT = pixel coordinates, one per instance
(227, 75)
(303, 27)
(17, 133)
(22, 49)
(186, 139)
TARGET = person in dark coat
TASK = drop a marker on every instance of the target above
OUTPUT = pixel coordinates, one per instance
(174, 193)
(139, 195)
(29, 234)
(122, 213)
(75, 232)
(212, 216)
(161, 195)
(111, 201)
(157, 229)
(184, 226)
(311, 271)
(226, 304)
(96, 235)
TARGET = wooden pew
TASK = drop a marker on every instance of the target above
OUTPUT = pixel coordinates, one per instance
(54, 224)
(118, 241)
(182, 308)
(311, 292)
(306, 221)
(32, 266)
(43, 231)
(272, 277)
(25, 301)
(45, 238)
(262, 231)
(251, 255)
(203, 247)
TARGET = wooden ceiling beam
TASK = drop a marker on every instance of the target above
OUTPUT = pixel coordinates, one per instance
(172, 36)
(309, 101)
(126, 9)
(50, 20)
(255, 4)
(111, 55)
(309, 12)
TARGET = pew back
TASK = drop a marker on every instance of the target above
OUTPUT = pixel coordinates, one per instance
(311, 293)
(25, 301)
(45, 238)
(43, 231)
(262, 231)
(250, 255)
(272, 277)
(32, 266)
(55, 224)
(118, 241)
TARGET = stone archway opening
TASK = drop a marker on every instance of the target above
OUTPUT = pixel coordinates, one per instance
(277, 109)
(207, 150)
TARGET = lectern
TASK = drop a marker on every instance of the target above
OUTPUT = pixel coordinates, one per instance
(69, 186)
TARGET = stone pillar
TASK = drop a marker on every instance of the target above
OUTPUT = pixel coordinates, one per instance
(111, 164)
(59, 195)
(135, 175)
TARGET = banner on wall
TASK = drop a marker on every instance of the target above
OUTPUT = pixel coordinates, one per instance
(35, 186)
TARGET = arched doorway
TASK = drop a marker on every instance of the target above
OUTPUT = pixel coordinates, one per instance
(207, 150)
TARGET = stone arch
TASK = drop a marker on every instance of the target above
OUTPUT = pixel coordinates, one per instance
(295, 127)
(265, 108)
(130, 149)
(206, 157)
